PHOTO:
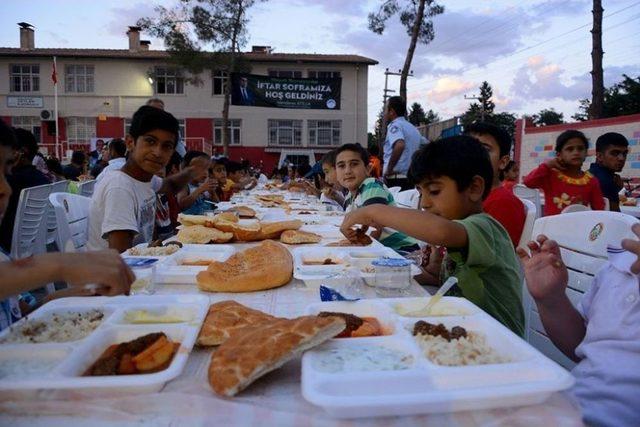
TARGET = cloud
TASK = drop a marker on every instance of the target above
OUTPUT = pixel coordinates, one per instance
(447, 88)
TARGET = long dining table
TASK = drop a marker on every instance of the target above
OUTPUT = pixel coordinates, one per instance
(274, 400)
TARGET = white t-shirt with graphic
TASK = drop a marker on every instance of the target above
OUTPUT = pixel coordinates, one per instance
(121, 202)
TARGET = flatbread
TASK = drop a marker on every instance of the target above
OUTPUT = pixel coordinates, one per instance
(225, 317)
(251, 352)
(273, 230)
(199, 234)
(266, 266)
(297, 237)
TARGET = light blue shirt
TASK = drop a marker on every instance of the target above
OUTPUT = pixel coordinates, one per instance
(401, 129)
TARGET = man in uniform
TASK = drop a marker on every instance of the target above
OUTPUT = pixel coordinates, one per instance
(402, 140)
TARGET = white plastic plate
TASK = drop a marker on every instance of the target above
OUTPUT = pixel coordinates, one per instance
(64, 363)
(425, 387)
(172, 270)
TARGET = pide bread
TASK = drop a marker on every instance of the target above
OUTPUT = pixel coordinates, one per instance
(241, 232)
(200, 234)
(225, 317)
(188, 220)
(225, 216)
(265, 266)
(273, 230)
(251, 352)
(245, 212)
(296, 237)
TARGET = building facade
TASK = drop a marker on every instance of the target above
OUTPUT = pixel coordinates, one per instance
(100, 89)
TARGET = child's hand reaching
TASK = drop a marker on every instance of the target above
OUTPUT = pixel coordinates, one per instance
(358, 217)
(546, 274)
(634, 247)
(556, 163)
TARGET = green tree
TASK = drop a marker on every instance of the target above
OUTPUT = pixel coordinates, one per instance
(417, 115)
(623, 98)
(415, 16)
(195, 24)
(482, 109)
(432, 117)
(548, 117)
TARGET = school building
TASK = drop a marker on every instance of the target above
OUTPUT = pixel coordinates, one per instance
(100, 89)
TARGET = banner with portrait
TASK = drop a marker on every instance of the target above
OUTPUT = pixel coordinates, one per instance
(251, 90)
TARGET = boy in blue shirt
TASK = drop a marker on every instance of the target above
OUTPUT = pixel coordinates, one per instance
(453, 176)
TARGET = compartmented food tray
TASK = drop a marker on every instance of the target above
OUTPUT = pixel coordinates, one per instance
(313, 265)
(54, 346)
(183, 266)
(398, 373)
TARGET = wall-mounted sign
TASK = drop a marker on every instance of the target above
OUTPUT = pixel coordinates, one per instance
(24, 102)
(263, 91)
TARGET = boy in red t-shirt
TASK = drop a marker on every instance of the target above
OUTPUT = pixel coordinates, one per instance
(500, 203)
(562, 179)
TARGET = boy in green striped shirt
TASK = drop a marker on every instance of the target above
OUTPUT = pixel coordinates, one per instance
(352, 169)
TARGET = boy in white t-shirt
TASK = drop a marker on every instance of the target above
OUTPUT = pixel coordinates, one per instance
(124, 202)
(602, 334)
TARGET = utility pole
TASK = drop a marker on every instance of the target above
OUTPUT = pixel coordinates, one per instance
(387, 73)
(477, 98)
(597, 89)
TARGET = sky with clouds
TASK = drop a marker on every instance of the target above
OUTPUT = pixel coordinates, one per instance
(535, 53)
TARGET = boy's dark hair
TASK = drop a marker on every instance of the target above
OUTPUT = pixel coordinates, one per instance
(329, 158)
(149, 118)
(7, 136)
(118, 147)
(356, 148)
(54, 165)
(397, 104)
(219, 161)
(27, 142)
(610, 138)
(174, 161)
(374, 150)
(500, 135)
(233, 167)
(565, 136)
(78, 157)
(457, 157)
(192, 154)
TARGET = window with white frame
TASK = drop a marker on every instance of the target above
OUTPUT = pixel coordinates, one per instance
(324, 133)
(78, 78)
(80, 130)
(31, 123)
(24, 78)
(235, 126)
(321, 74)
(219, 80)
(290, 74)
(169, 80)
(181, 123)
(285, 132)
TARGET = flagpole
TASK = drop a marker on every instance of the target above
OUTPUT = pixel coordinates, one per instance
(55, 109)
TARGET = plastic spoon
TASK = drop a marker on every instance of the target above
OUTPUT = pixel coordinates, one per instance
(425, 311)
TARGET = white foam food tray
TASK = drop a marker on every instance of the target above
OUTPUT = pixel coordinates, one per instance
(59, 367)
(356, 259)
(423, 386)
(171, 269)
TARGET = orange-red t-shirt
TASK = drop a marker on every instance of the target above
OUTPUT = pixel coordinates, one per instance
(508, 210)
(376, 167)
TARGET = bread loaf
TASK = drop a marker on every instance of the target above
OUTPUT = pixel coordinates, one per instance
(225, 317)
(297, 237)
(251, 352)
(265, 266)
(200, 234)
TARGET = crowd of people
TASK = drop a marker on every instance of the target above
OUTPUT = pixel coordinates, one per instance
(468, 225)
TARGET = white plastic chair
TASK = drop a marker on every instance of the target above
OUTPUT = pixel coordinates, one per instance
(575, 208)
(72, 217)
(583, 238)
(531, 194)
(52, 225)
(29, 230)
(607, 204)
(86, 188)
(407, 198)
(529, 221)
(395, 190)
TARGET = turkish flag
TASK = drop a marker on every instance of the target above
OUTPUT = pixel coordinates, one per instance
(54, 74)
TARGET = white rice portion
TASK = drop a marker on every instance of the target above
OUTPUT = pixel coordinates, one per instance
(472, 350)
(57, 327)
